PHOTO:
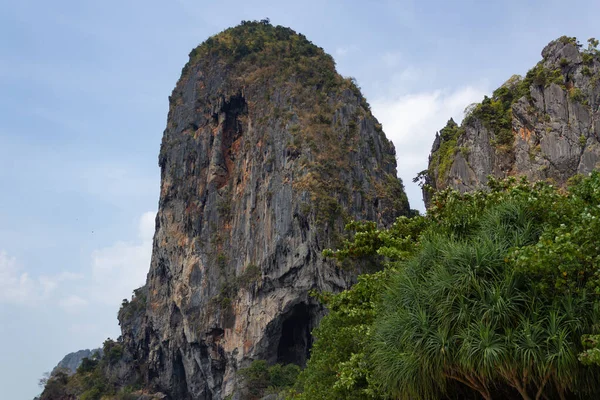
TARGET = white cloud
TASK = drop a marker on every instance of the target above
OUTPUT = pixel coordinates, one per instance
(50, 283)
(147, 225)
(115, 271)
(411, 122)
(401, 82)
(123, 266)
(16, 287)
(73, 303)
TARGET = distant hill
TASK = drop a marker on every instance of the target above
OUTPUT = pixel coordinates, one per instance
(71, 361)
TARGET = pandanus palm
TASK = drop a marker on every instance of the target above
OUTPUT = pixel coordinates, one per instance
(459, 312)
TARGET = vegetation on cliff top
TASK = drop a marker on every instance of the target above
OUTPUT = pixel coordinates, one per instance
(495, 112)
(254, 45)
(312, 102)
(442, 159)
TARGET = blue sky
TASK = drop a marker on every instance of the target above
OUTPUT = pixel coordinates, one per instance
(84, 102)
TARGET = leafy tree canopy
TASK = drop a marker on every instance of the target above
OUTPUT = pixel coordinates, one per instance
(492, 294)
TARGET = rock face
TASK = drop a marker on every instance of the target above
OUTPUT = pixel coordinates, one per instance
(71, 361)
(543, 126)
(266, 154)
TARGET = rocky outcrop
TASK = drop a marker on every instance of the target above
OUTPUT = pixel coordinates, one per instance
(267, 153)
(71, 361)
(543, 126)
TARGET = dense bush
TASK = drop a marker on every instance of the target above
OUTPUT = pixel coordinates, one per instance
(90, 381)
(499, 299)
(261, 379)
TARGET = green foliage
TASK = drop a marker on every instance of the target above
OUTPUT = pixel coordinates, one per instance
(566, 259)
(339, 367)
(569, 40)
(495, 113)
(261, 45)
(137, 305)
(87, 365)
(221, 261)
(90, 381)
(591, 52)
(575, 94)
(541, 76)
(492, 294)
(55, 386)
(250, 275)
(444, 157)
(261, 379)
(591, 355)
(224, 208)
(231, 285)
(372, 247)
(498, 296)
(113, 351)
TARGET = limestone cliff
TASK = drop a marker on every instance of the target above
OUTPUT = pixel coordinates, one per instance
(267, 152)
(71, 361)
(543, 126)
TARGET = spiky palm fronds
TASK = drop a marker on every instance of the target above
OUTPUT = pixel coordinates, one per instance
(459, 312)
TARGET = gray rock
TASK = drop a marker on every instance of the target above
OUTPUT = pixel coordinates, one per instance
(72, 361)
(259, 172)
(555, 129)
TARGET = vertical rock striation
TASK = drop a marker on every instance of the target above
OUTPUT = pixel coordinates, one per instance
(266, 154)
(543, 126)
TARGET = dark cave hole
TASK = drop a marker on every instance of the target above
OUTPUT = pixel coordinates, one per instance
(179, 381)
(295, 342)
(233, 108)
(236, 105)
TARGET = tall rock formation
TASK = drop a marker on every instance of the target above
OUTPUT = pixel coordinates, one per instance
(266, 154)
(543, 126)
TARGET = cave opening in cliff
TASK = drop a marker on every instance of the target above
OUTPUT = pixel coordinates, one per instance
(232, 109)
(179, 386)
(295, 342)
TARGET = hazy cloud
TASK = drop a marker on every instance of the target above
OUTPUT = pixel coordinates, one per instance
(15, 286)
(411, 122)
(50, 283)
(73, 303)
(18, 287)
(123, 266)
